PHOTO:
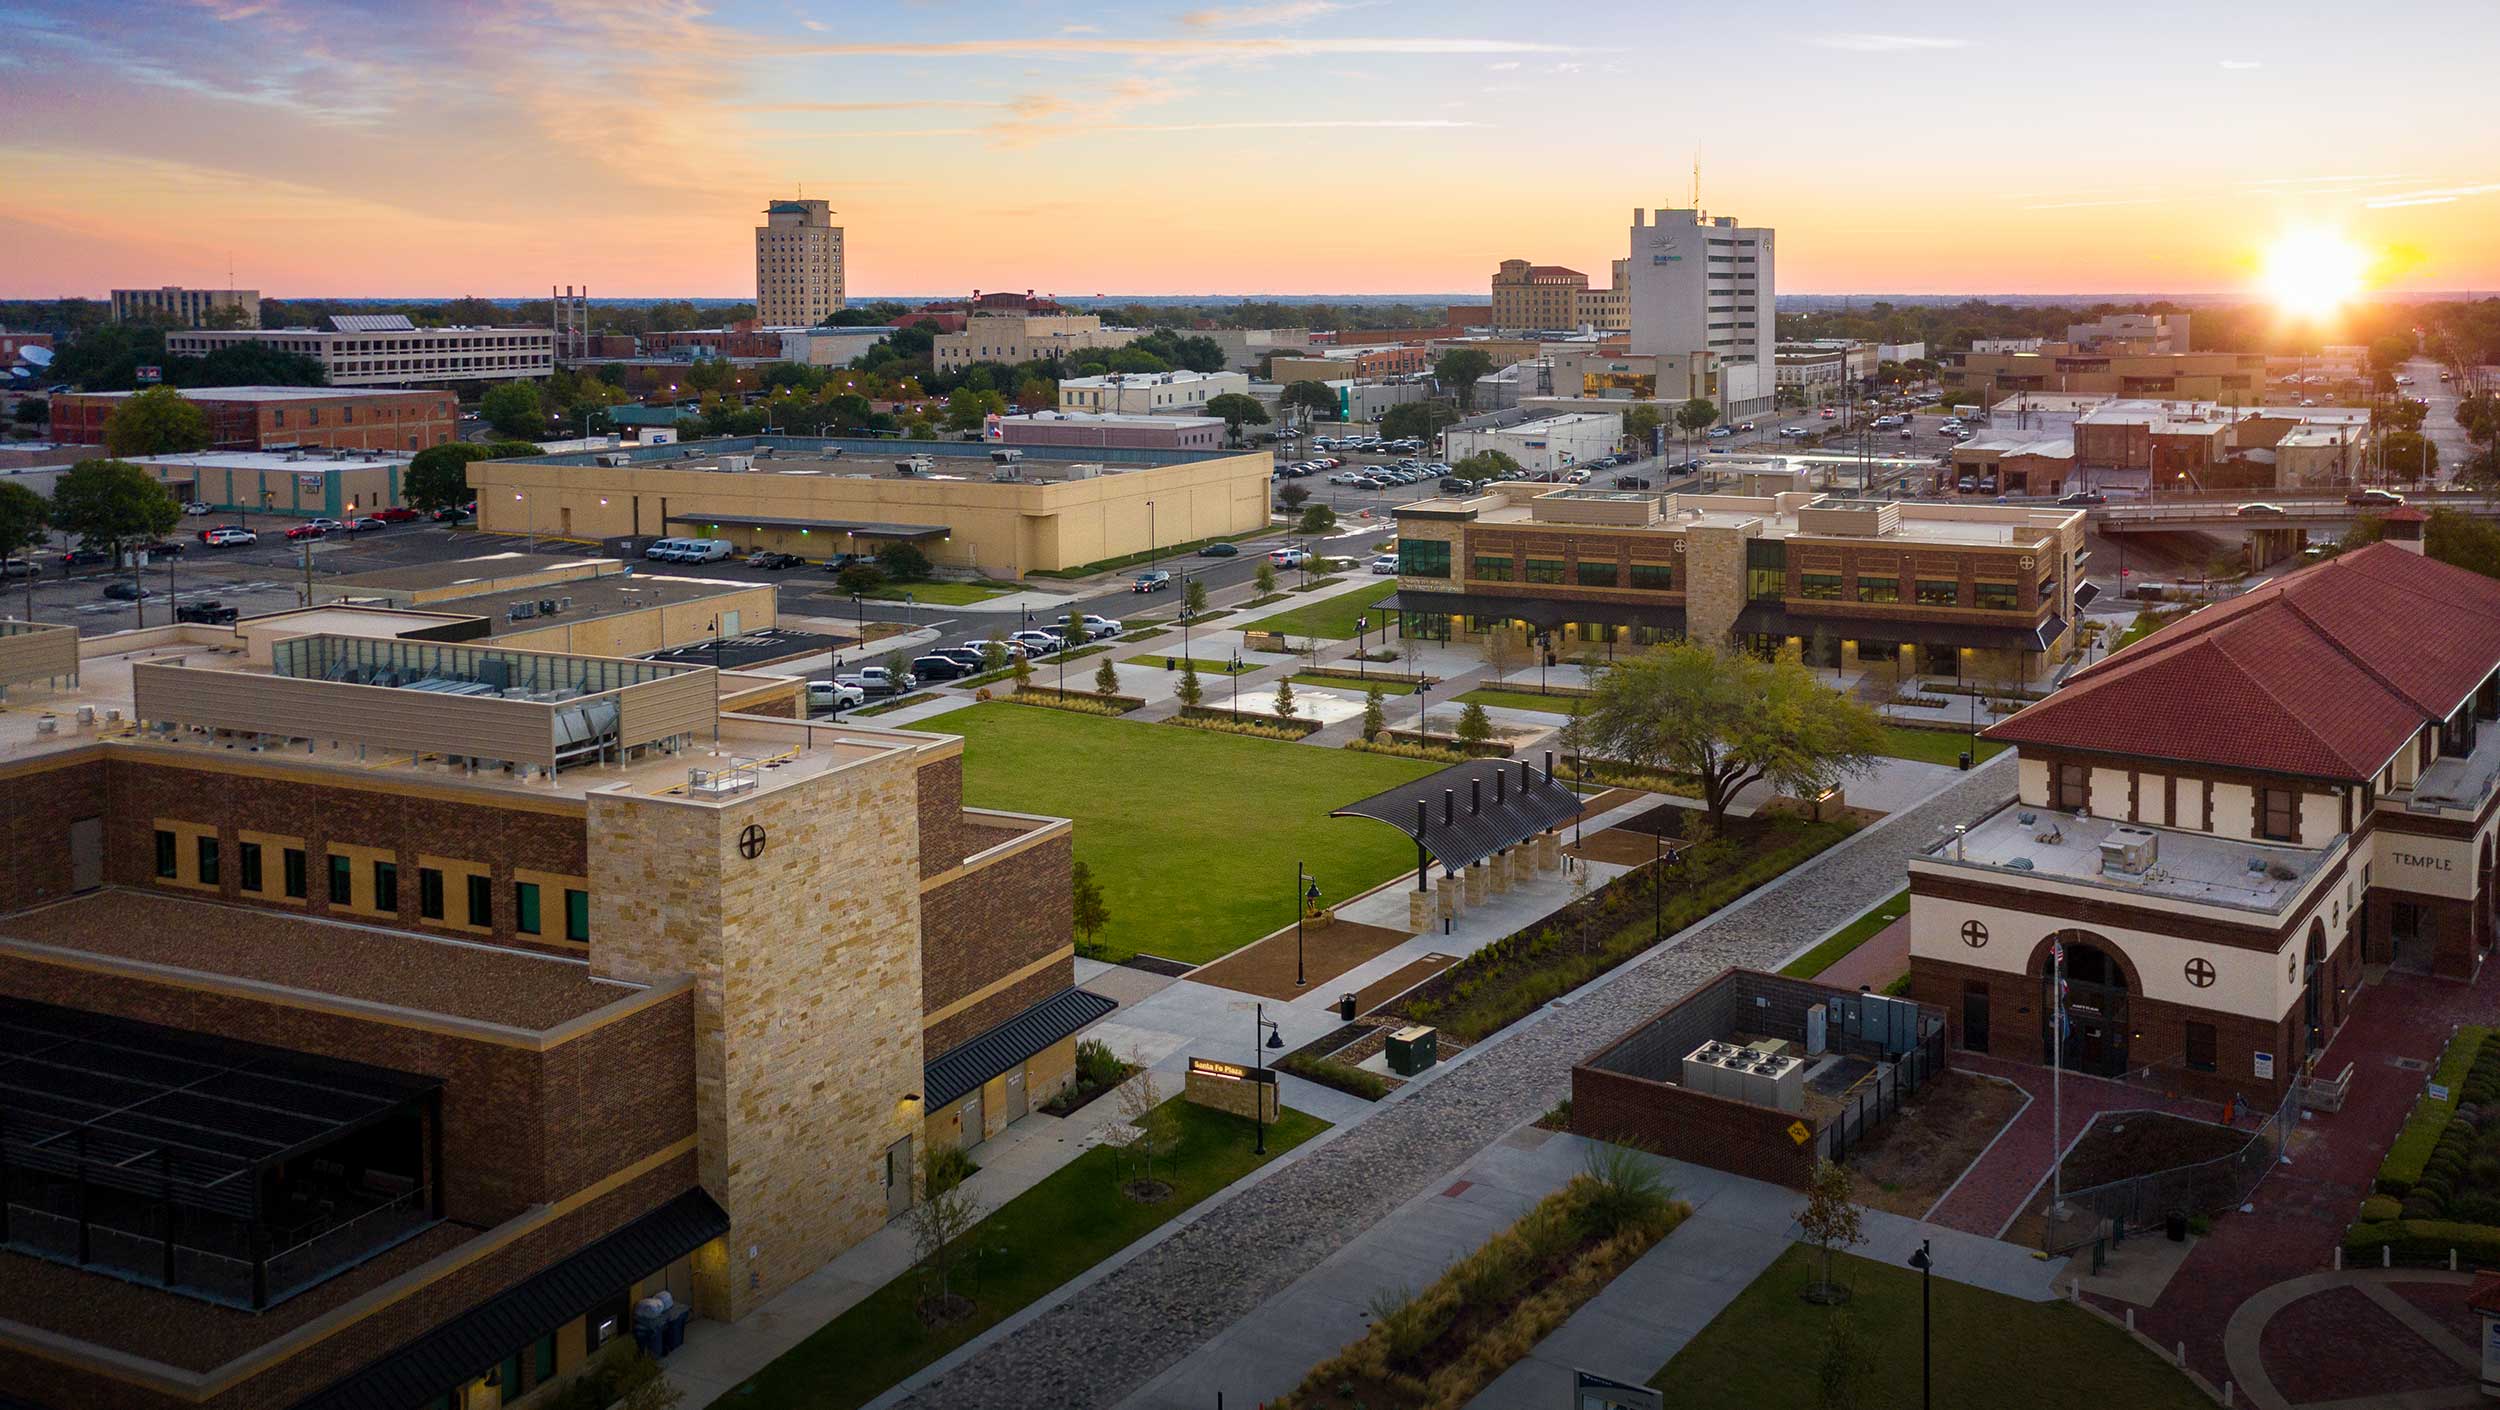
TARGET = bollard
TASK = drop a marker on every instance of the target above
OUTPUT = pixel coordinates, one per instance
(2227, 1395)
(2386, 1255)
(2339, 1258)
(2183, 1355)
(2452, 1260)
(2130, 1319)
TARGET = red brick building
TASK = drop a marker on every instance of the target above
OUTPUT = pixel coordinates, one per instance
(278, 418)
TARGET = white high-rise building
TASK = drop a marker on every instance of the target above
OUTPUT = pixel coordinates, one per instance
(1702, 287)
(798, 265)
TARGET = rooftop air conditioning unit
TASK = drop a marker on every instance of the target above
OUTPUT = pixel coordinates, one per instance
(616, 460)
(737, 463)
(2129, 851)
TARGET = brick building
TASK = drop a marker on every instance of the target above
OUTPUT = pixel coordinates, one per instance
(1537, 295)
(2224, 823)
(286, 418)
(385, 1017)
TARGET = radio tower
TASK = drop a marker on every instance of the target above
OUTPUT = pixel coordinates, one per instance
(572, 320)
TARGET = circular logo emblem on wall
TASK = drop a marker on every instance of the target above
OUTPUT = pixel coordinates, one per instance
(2200, 972)
(1974, 934)
(751, 841)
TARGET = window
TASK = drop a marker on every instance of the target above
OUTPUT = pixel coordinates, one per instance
(481, 902)
(208, 860)
(2001, 597)
(429, 893)
(1597, 574)
(386, 886)
(1654, 577)
(1766, 569)
(2279, 814)
(1879, 589)
(576, 915)
(525, 907)
(1423, 558)
(1823, 586)
(247, 865)
(2073, 788)
(1545, 570)
(1493, 567)
(1938, 592)
(166, 844)
(291, 864)
(342, 880)
(2200, 1047)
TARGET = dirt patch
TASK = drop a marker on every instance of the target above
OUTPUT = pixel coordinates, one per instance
(2124, 1144)
(1907, 1165)
(1267, 968)
(1399, 980)
(1620, 846)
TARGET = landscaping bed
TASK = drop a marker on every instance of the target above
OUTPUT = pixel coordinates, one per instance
(2439, 1187)
(1098, 1071)
(1451, 744)
(1551, 702)
(1085, 702)
(1038, 666)
(1254, 725)
(1339, 1074)
(1912, 1159)
(1154, 660)
(1488, 1310)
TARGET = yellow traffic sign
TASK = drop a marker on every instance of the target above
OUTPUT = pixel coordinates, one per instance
(1799, 1132)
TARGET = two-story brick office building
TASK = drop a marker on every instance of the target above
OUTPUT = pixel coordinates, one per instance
(2223, 823)
(384, 1016)
(1987, 592)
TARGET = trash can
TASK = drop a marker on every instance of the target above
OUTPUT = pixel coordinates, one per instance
(1345, 1006)
(1411, 1050)
(1966, 761)
(1170, 664)
(673, 1328)
(2175, 1225)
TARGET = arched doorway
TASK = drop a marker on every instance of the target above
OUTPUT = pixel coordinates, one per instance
(2313, 986)
(2095, 1039)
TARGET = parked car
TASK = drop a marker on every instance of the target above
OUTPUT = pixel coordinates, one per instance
(453, 513)
(1219, 550)
(85, 558)
(2260, 511)
(397, 514)
(835, 694)
(1154, 581)
(1452, 484)
(164, 548)
(965, 655)
(704, 550)
(367, 523)
(198, 506)
(1385, 564)
(1098, 627)
(215, 614)
(316, 529)
(773, 562)
(665, 550)
(1631, 482)
(1290, 557)
(877, 680)
(124, 590)
(19, 568)
(1037, 642)
(939, 668)
(2082, 499)
(2375, 496)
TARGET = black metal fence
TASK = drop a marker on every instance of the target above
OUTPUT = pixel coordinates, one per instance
(2142, 1202)
(1878, 1099)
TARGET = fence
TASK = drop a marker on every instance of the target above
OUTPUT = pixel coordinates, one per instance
(2142, 1202)
(1871, 1103)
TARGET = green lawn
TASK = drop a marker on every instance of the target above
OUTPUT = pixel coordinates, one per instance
(1354, 684)
(1205, 666)
(1330, 617)
(1192, 834)
(1765, 1348)
(1521, 699)
(1936, 746)
(941, 594)
(1849, 937)
(1069, 1222)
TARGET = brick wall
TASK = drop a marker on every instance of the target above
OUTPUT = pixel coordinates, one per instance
(943, 838)
(981, 927)
(1684, 1125)
(37, 806)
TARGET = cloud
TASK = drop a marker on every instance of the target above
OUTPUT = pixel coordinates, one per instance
(1505, 66)
(1083, 46)
(1247, 16)
(2237, 65)
(1888, 43)
(2436, 196)
(2087, 205)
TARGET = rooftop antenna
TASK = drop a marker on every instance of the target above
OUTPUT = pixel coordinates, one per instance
(1697, 182)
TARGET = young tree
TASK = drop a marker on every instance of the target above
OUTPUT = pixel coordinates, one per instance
(859, 577)
(1021, 669)
(1474, 725)
(1087, 911)
(1729, 720)
(994, 653)
(1316, 521)
(1375, 713)
(111, 504)
(1106, 679)
(1141, 1102)
(1640, 427)
(1194, 597)
(1265, 578)
(513, 409)
(158, 421)
(943, 1214)
(1831, 1218)
(1484, 465)
(1844, 1363)
(1457, 371)
(1238, 411)
(1505, 650)
(1284, 699)
(1292, 497)
(1189, 690)
(1694, 417)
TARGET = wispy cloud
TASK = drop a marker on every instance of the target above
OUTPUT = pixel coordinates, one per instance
(2238, 65)
(1182, 48)
(1250, 16)
(1888, 43)
(2088, 205)
(2436, 196)
(1505, 66)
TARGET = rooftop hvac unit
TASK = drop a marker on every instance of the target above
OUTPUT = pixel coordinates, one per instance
(1701, 1069)
(520, 612)
(546, 607)
(2129, 851)
(735, 463)
(616, 461)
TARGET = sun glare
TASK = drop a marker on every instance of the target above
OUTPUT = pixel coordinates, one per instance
(2312, 273)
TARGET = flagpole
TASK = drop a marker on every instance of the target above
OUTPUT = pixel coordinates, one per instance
(2057, 1074)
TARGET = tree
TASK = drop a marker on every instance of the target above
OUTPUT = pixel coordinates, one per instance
(513, 409)
(994, 653)
(1505, 650)
(1293, 497)
(1316, 521)
(1457, 371)
(1021, 668)
(1694, 417)
(859, 578)
(1375, 713)
(944, 1213)
(1189, 690)
(1417, 420)
(438, 476)
(2479, 414)
(1284, 699)
(1313, 397)
(2389, 352)
(1474, 725)
(903, 562)
(25, 522)
(1640, 427)
(1485, 465)
(966, 408)
(1831, 1218)
(1264, 579)
(1086, 910)
(1141, 1102)
(158, 421)
(1194, 597)
(110, 504)
(1106, 679)
(1238, 411)
(2408, 453)
(1729, 720)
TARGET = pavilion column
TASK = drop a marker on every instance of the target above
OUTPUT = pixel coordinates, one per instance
(1549, 851)
(1449, 897)
(1418, 910)
(1501, 866)
(1475, 884)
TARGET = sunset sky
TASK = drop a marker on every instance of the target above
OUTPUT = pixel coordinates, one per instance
(1309, 146)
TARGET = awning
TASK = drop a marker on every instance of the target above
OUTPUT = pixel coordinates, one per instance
(2085, 592)
(969, 1064)
(469, 1345)
(1467, 812)
(1541, 611)
(1771, 619)
(868, 528)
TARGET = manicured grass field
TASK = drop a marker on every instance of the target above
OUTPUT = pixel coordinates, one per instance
(1765, 1348)
(1072, 1220)
(1936, 746)
(1849, 937)
(941, 594)
(1193, 835)
(1521, 699)
(1330, 617)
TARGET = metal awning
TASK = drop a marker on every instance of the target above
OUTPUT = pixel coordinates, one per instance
(1467, 812)
(869, 528)
(469, 1345)
(2085, 592)
(1540, 611)
(969, 1064)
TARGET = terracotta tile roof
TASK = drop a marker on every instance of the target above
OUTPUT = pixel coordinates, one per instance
(2324, 673)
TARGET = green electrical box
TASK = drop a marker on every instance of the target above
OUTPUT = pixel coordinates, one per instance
(1411, 1050)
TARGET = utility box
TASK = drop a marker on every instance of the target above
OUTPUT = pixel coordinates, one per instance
(1411, 1050)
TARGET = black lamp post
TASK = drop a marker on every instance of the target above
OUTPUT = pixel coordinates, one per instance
(859, 609)
(1232, 669)
(1258, 1099)
(1926, 1267)
(1305, 896)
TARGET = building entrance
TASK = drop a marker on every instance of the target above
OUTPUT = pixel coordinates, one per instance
(2095, 1040)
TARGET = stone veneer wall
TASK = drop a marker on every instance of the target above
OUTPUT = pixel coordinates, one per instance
(806, 961)
(1713, 574)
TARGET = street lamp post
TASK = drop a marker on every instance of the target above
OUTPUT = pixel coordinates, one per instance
(1274, 1038)
(859, 611)
(1305, 896)
(1925, 1263)
(1423, 688)
(1232, 669)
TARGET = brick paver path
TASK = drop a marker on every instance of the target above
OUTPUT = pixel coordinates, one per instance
(1996, 1189)
(1093, 1349)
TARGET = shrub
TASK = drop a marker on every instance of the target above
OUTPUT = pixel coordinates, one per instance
(1097, 1064)
(1407, 751)
(949, 1166)
(2408, 1159)
(2378, 1209)
(1050, 699)
(1344, 1076)
(2425, 1240)
(1624, 1192)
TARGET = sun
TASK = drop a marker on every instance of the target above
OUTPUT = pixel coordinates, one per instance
(2313, 273)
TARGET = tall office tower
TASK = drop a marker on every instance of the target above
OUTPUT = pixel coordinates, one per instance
(798, 264)
(1703, 284)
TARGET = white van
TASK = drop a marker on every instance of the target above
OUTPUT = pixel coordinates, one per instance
(704, 550)
(666, 550)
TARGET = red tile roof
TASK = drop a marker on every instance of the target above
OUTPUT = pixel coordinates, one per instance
(2323, 673)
